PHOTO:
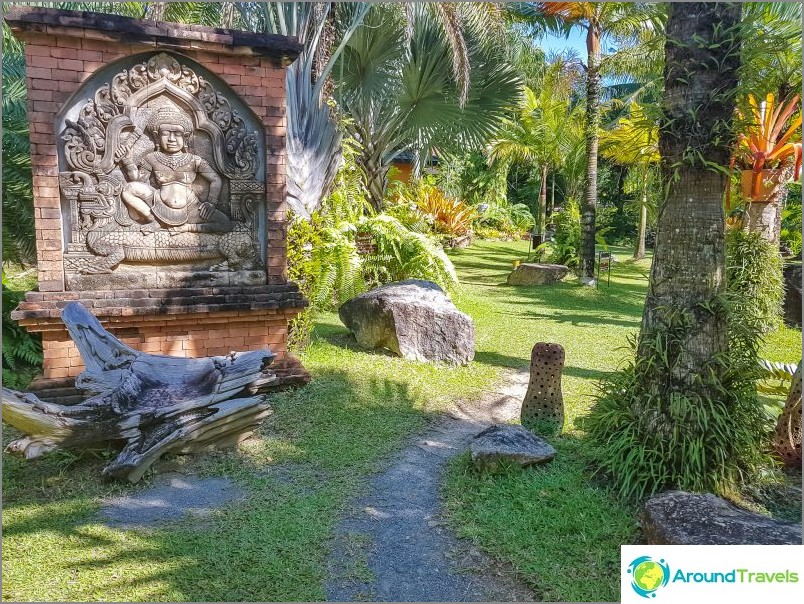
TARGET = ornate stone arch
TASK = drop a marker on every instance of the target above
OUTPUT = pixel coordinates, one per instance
(103, 130)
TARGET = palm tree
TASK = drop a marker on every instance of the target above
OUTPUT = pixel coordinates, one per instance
(634, 143)
(771, 48)
(621, 20)
(403, 96)
(694, 141)
(538, 135)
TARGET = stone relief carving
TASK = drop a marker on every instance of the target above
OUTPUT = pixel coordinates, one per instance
(161, 169)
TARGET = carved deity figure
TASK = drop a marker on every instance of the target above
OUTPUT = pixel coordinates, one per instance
(161, 193)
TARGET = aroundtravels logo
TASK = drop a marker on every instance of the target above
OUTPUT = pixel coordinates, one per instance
(647, 575)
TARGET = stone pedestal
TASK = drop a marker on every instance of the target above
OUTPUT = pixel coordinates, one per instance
(158, 155)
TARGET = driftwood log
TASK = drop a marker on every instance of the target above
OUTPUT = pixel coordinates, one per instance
(149, 404)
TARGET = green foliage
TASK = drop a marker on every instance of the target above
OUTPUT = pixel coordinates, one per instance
(791, 219)
(303, 238)
(344, 250)
(776, 377)
(657, 427)
(17, 190)
(447, 215)
(22, 352)
(403, 254)
(566, 244)
(754, 273)
(468, 176)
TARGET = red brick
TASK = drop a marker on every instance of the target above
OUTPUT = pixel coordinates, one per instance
(236, 69)
(36, 50)
(38, 73)
(65, 41)
(71, 75)
(37, 61)
(62, 52)
(40, 95)
(49, 244)
(91, 66)
(48, 84)
(92, 55)
(250, 80)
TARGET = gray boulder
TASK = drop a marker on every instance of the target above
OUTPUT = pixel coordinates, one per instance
(413, 319)
(537, 274)
(681, 518)
(504, 444)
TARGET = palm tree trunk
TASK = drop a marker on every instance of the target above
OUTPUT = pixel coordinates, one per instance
(553, 196)
(540, 225)
(687, 276)
(765, 217)
(639, 253)
(587, 276)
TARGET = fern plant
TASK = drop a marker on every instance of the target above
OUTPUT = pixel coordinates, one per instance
(17, 191)
(22, 351)
(403, 254)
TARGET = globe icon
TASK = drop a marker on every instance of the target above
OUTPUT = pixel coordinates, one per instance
(648, 576)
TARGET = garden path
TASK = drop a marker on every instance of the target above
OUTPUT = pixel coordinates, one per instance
(393, 545)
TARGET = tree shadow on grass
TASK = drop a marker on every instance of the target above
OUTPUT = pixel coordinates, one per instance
(270, 546)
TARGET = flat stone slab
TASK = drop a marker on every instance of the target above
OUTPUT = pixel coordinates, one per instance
(175, 497)
(537, 274)
(681, 518)
(503, 444)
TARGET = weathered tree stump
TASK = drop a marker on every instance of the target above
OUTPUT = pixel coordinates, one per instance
(543, 407)
(151, 404)
(787, 440)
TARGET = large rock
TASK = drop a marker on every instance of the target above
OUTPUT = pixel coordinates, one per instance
(680, 518)
(413, 319)
(504, 444)
(792, 295)
(537, 274)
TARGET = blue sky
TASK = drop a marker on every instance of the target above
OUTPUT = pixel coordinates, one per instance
(576, 41)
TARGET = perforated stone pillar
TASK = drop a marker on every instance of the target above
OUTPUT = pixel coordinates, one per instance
(787, 440)
(543, 407)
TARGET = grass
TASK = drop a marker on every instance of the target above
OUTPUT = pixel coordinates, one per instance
(558, 529)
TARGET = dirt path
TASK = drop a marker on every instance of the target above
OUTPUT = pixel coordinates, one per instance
(393, 545)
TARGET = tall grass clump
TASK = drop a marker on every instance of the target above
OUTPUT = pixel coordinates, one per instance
(656, 427)
(754, 273)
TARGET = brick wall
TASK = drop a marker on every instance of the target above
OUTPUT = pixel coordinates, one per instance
(193, 335)
(65, 48)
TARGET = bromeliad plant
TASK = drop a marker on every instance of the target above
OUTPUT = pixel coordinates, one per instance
(764, 146)
(449, 216)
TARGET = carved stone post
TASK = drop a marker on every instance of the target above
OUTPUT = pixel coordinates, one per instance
(543, 407)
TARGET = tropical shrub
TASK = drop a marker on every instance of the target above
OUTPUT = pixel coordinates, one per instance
(504, 221)
(399, 254)
(566, 244)
(790, 235)
(22, 351)
(344, 249)
(17, 191)
(697, 432)
(448, 215)
(762, 145)
(754, 272)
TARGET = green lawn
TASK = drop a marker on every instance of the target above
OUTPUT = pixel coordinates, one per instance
(559, 530)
